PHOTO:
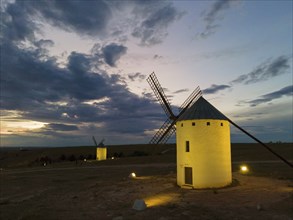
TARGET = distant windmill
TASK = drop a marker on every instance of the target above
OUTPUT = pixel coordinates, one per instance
(202, 140)
(101, 150)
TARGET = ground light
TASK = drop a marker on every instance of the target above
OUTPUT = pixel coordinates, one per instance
(132, 175)
(244, 169)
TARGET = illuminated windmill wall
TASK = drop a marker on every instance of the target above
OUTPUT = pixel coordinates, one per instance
(101, 153)
(203, 147)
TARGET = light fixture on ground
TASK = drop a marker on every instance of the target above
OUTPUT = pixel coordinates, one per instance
(132, 175)
(244, 169)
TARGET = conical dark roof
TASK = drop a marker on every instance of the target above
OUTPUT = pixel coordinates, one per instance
(202, 109)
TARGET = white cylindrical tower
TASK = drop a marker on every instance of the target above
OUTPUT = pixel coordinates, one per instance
(203, 147)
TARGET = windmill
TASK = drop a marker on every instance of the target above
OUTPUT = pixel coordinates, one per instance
(203, 145)
(101, 150)
(168, 127)
(199, 129)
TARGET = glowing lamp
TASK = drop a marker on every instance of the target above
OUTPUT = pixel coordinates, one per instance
(132, 175)
(244, 169)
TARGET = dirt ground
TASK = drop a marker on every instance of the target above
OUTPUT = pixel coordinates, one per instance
(104, 191)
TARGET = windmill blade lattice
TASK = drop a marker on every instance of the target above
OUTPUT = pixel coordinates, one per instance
(164, 133)
(192, 98)
(168, 128)
(160, 95)
(94, 139)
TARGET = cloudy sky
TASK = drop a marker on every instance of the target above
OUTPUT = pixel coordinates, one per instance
(75, 69)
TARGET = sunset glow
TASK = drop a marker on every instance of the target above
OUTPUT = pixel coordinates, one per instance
(12, 127)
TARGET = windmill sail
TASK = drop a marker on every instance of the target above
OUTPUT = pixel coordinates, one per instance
(168, 128)
(164, 133)
(160, 95)
(192, 98)
(101, 144)
(94, 139)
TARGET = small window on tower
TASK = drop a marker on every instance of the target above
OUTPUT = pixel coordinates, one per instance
(187, 146)
(181, 124)
(221, 124)
(193, 123)
(208, 123)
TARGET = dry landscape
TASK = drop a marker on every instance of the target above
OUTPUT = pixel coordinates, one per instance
(70, 188)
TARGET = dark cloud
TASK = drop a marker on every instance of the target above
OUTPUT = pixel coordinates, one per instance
(15, 22)
(33, 85)
(42, 91)
(154, 20)
(215, 9)
(135, 76)
(181, 90)
(212, 16)
(90, 18)
(44, 43)
(148, 95)
(77, 98)
(215, 88)
(286, 91)
(150, 19)
(265, 71)
(157, 56)
(78, 95)
(33, 81)
(112, 53)
(85, 19)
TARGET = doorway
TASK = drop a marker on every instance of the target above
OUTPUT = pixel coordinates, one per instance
(188, 175)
